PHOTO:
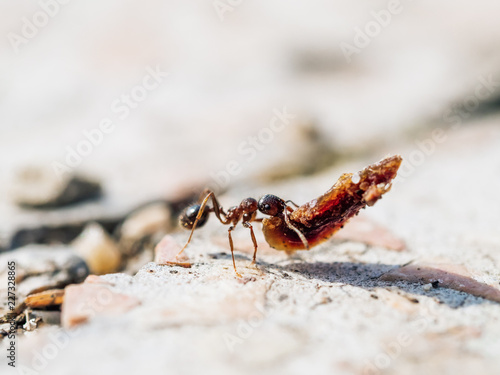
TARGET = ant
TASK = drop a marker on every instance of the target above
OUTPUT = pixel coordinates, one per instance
(195, 216)
(305, 226)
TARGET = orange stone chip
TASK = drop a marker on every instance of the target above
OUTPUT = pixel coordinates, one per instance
(46, 298)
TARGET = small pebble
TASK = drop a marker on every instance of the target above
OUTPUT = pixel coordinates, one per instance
(98, 249)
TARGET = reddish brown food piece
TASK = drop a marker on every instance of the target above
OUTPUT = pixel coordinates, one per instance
(320, 218)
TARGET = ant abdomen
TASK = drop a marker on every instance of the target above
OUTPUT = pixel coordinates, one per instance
(188, 217)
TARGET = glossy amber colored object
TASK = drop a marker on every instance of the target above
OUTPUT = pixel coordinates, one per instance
(320, 218)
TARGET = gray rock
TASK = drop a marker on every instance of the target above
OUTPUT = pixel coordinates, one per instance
(42, 188)
(39, 268)
(62, 230)
(144, 227)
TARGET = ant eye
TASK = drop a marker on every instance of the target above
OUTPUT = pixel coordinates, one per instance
(188, 217)
(271, 205)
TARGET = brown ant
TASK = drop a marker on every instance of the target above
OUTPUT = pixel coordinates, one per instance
(306, 226)
(196, 216)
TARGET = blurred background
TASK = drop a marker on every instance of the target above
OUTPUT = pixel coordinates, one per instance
(155, 100)
(358, 78)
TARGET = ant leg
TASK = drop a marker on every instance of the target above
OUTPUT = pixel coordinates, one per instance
(299, 233)
(295, 204)
(232, 248)
(217, 210)
(198, 217)
(248, 225)
(203, 195)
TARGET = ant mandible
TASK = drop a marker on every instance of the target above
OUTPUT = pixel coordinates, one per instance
(306, 226)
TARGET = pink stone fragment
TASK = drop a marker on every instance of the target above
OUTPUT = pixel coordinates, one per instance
(95, 279)
(362, 230)
(447, 275)
(83, 302)
(166, 253)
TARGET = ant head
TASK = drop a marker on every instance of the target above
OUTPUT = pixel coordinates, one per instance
(188, 217)
(271, 205)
